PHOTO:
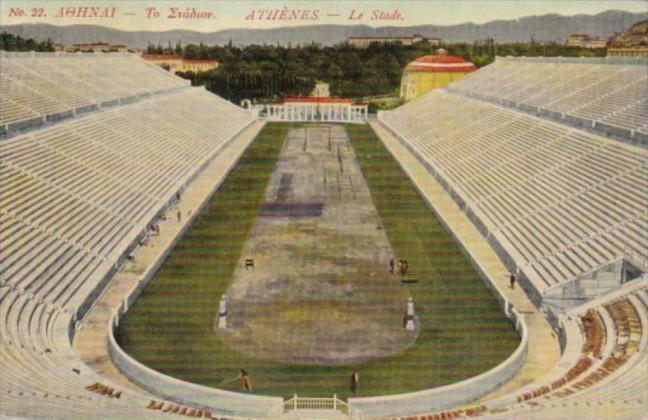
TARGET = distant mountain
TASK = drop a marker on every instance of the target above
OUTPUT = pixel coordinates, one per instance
(551, 27)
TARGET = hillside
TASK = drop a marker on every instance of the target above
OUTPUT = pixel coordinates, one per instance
(551, 27)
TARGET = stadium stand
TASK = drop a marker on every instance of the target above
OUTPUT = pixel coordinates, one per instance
(77, 197)
(559, 202)
(611, 384)
(528, 148)
(606, 95)
(40, 88)
(59, 178)
(565, 208)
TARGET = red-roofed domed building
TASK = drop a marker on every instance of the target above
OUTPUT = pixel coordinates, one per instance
(432, 72)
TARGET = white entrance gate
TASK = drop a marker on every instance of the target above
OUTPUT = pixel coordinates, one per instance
(308, 111)
(316, 408)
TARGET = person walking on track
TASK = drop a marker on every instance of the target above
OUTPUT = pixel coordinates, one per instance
(355, 379)
(246, 382)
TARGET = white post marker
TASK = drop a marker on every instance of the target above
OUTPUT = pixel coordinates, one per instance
(409, 325)
(410, 307)
(222, 313)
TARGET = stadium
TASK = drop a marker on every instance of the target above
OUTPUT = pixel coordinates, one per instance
(480, 251)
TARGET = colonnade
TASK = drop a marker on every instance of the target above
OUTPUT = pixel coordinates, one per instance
(342, 112)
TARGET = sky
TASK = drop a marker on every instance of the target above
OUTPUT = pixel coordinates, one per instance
(221, 14)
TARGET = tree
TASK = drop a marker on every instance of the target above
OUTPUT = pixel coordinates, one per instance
(202, 51)
(334, 72)
(191, 52)
(30, 45)
(391, 68)
(9, 42)
(48, 46)
(268, 72)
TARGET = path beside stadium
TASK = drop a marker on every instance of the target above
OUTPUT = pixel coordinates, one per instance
(91, 339)
(544, 349)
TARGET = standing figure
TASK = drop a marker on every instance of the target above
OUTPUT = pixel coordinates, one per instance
(355, 379)
(403, 267)
(179, 216)
(391, 266)
(246, 382)
(512, 280)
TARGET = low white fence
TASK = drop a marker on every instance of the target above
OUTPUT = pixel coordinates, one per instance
(296, 403)
(316, 112)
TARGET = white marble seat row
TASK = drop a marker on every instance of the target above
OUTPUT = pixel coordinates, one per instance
(77, 192)
(561, 200)
(38, 379)
(604, 90)
(38, 85)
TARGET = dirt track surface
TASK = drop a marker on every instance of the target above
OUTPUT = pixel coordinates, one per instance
(320, 291)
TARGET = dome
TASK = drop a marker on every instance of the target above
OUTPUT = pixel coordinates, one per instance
(441, 63)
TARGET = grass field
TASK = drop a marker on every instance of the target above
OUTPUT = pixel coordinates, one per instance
(463, 331)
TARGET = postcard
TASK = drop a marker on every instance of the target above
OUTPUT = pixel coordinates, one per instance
(324, 209)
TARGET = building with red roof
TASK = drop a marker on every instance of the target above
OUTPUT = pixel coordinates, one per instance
(175, 63)
(433, 72)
